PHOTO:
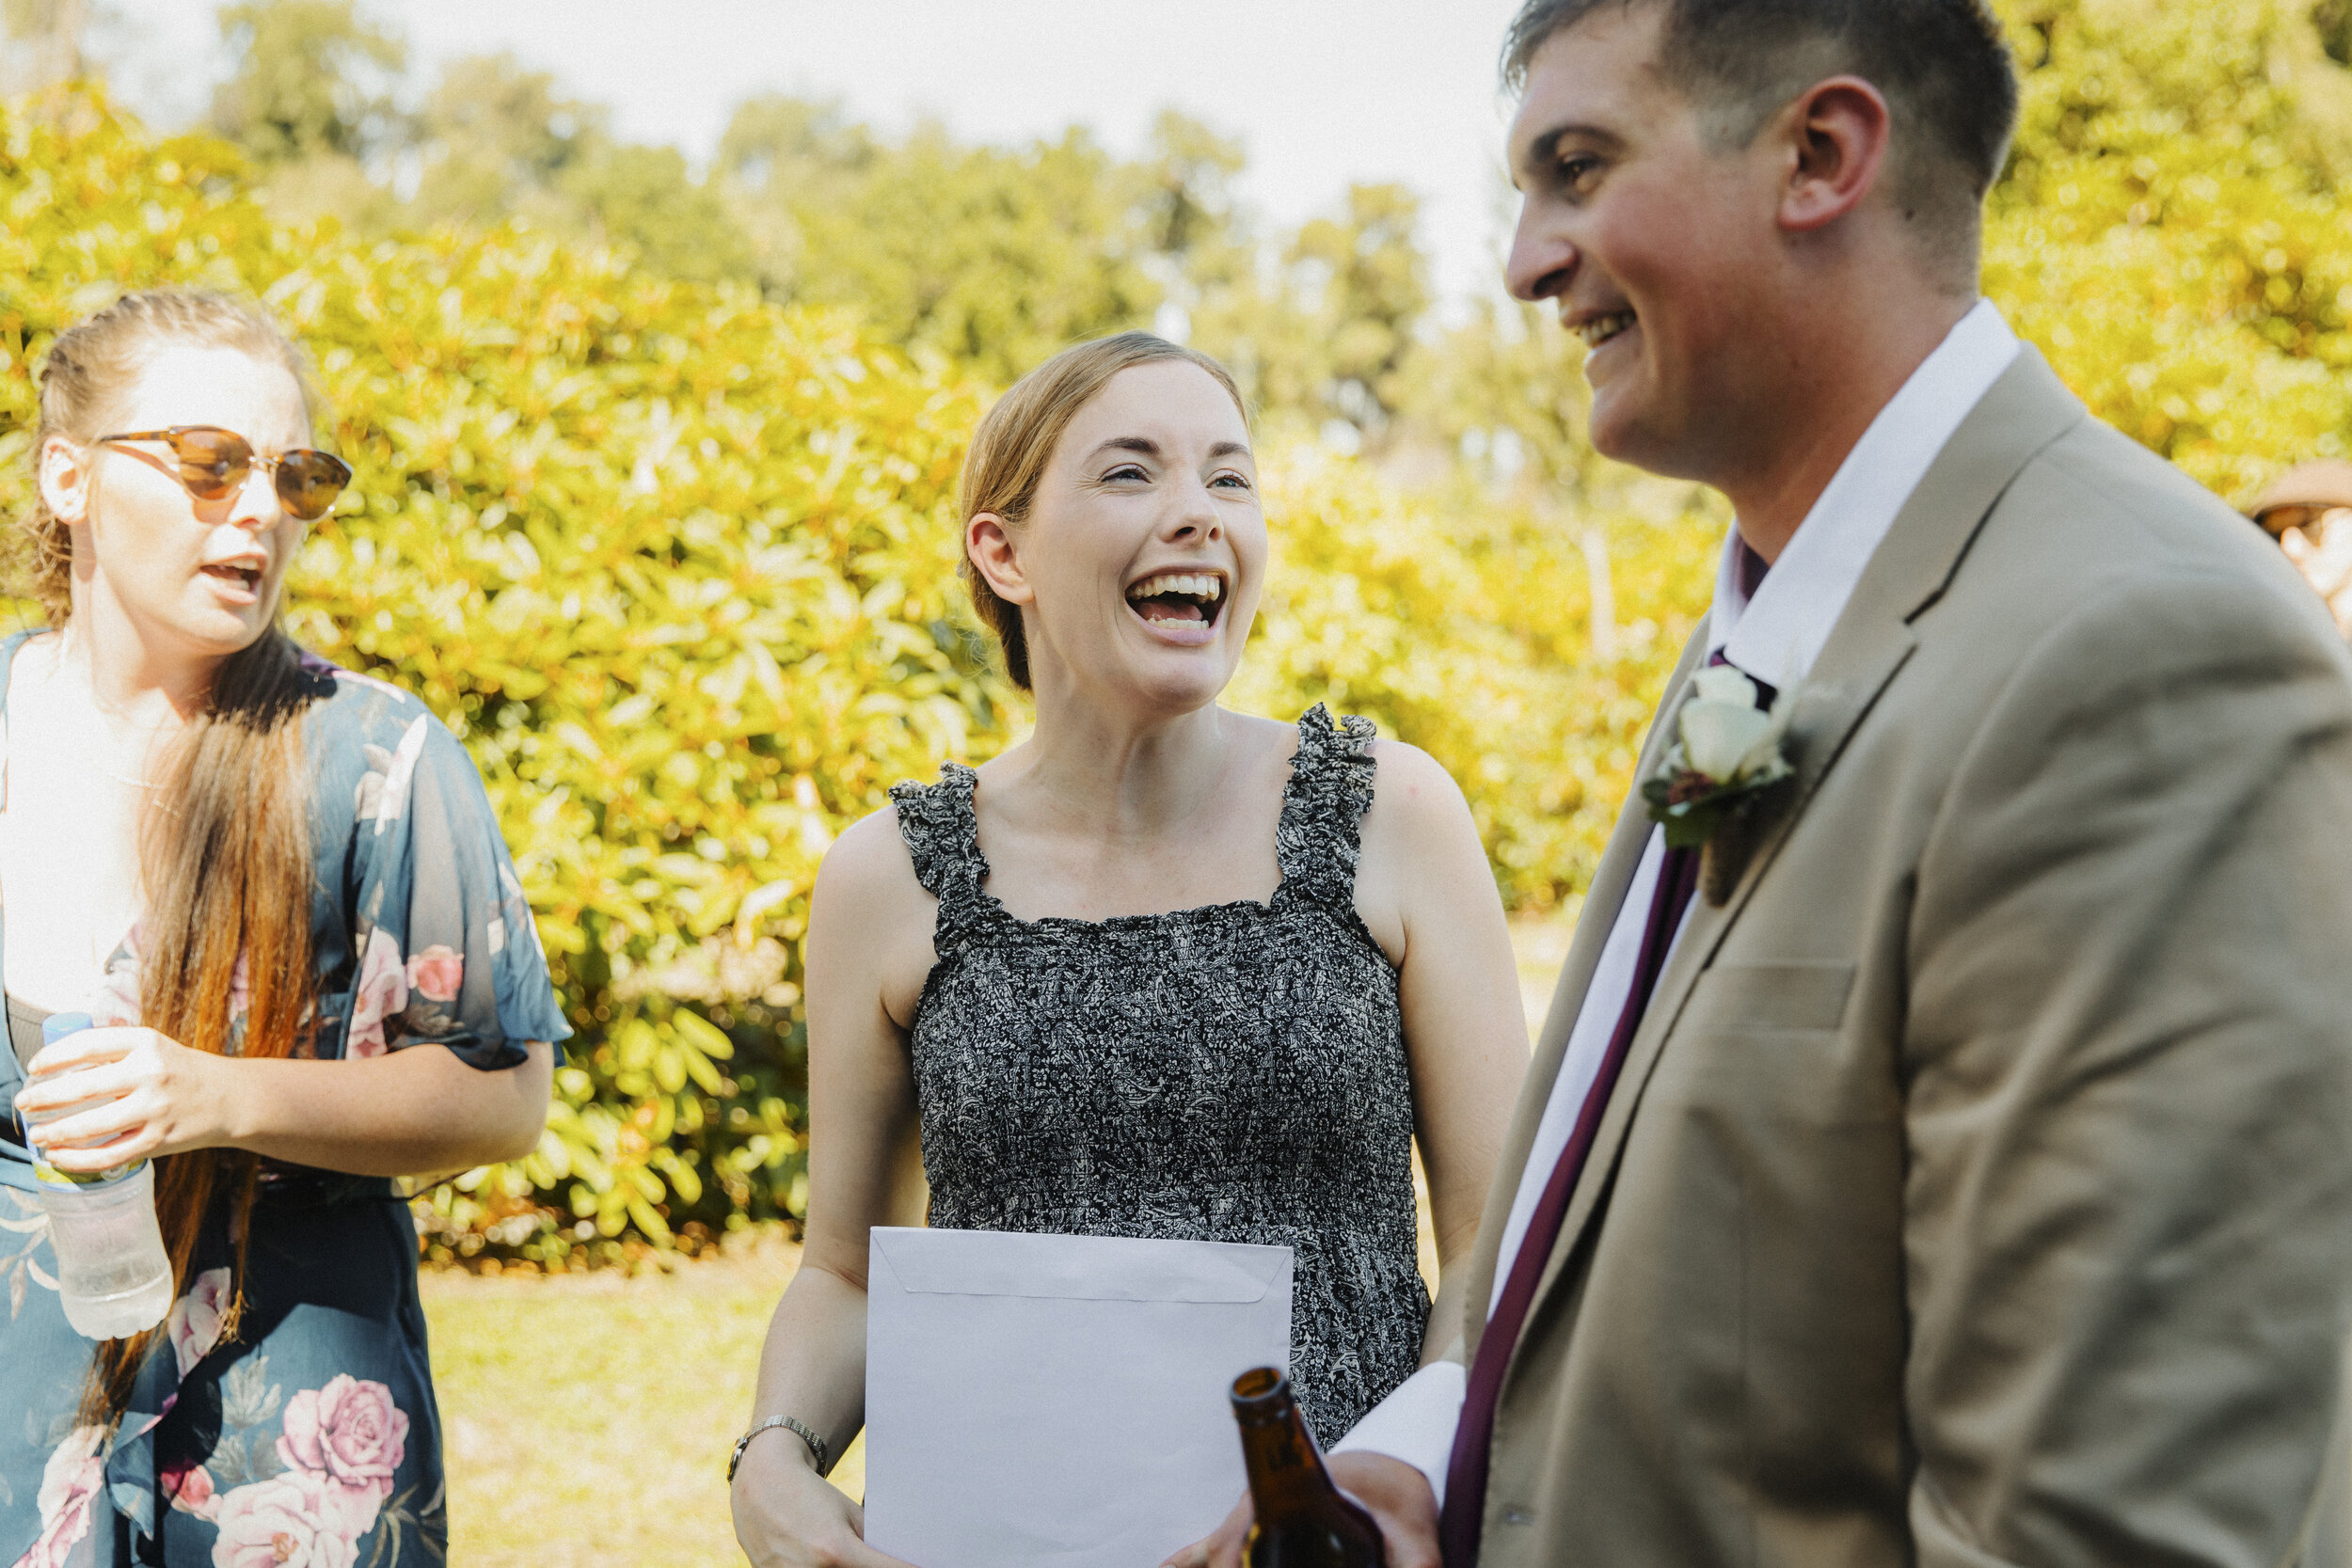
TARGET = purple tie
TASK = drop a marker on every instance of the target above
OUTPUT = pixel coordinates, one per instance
(1459, 1525)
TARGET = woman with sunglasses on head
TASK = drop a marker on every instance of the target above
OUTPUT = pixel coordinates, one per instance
(278, 891)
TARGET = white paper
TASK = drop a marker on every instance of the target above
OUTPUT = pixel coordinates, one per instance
(1059, 1400)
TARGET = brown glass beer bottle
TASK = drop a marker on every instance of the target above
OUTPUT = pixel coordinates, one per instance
(1303, 1520)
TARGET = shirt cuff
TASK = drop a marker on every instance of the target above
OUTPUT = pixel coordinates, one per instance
(1415, 1423)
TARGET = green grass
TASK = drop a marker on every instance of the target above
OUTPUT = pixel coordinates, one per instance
(588, 1418)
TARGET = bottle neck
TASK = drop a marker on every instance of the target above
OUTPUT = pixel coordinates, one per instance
(1285, 1470)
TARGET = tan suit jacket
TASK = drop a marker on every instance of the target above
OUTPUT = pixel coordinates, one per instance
(1979, 1187)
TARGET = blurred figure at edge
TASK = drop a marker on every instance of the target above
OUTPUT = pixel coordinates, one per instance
(2309, 511)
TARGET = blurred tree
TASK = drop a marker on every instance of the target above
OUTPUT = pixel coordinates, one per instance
(2333, 20)
(1186, 201)
(992, 257)
(500, 142)
(1504, 391)
(44, 44)
(312, 105)
(774, 144)
(2170, 228)
(1364, 280)
(312, 77)
(496, 140)
(1321, 329)
(643, 199)
(779, 155)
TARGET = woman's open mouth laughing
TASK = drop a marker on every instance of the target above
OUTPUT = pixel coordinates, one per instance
(1179, 602)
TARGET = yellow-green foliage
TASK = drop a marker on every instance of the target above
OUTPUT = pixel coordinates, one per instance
(2172, 229)
(676, 564)
(1465, 630)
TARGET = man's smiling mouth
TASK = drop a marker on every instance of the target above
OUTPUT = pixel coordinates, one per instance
(1178, 598)
(1597, 330)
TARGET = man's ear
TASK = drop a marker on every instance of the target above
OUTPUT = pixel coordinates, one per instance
(65, 479)
(989, 543)
(1838, 136)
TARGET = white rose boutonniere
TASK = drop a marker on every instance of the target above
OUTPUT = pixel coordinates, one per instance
(1727, 755)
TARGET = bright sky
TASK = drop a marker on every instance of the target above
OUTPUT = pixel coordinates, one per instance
(1320, 92)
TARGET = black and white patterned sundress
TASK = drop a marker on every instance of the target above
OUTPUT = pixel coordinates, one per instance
(1234, 1073)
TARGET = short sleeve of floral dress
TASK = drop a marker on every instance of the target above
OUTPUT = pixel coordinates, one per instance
(305, 1431)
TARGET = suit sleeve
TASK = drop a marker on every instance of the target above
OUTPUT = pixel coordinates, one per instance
(2129, 1209)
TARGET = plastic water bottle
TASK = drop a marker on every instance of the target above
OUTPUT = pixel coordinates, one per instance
(114, 1277)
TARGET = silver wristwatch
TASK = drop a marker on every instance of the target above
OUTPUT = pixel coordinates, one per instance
(816, 1443)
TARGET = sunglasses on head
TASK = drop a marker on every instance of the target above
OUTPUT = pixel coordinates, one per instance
(212, 463)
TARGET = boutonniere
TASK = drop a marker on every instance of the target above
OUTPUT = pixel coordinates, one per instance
(1726, 763)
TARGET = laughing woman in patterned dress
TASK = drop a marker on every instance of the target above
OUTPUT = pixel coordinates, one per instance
(279, 890)
(1162, 970)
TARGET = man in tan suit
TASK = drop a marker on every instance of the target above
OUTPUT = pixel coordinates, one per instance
(1972, 1184)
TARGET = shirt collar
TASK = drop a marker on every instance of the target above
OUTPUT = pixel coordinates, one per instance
(1777, 635)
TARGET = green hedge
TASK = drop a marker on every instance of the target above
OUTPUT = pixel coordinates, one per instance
(677, 564)
(679, 567)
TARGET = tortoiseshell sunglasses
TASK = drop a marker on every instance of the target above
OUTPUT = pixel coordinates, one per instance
(212, 463)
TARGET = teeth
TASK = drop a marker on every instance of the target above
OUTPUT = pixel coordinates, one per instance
(1601, 328)
(1192, 585)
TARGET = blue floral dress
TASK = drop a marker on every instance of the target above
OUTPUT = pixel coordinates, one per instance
(309, 1437)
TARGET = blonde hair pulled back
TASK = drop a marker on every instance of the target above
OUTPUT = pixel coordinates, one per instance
(1017, 438)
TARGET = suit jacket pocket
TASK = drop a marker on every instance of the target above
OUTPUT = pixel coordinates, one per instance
(1767, 998)
(1768, 1042)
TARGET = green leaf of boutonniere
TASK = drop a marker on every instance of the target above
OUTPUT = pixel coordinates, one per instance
(1725, 752)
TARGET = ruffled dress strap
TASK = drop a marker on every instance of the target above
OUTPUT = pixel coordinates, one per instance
(943, 834)
(1319, 840)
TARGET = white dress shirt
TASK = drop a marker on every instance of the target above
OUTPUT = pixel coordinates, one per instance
(1774, 637)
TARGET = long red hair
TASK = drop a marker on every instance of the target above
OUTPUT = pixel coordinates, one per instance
(225, 847)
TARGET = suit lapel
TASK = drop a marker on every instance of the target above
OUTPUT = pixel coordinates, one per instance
(1602, 901)
(2024, 412)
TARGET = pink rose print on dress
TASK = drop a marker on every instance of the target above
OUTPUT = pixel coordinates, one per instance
(190, 1489)
(290, 1521)
(353, 1434)
(116, 1003)
(193, 1326)
(436, 973)
(68, 1484)
(382, 993)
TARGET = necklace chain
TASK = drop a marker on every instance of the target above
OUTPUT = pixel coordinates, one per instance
(137, 783)
(124, 777)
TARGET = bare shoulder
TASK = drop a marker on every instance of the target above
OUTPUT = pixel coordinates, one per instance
(1421, 848)
(871, 920)
(1412, 794)
(869, 874)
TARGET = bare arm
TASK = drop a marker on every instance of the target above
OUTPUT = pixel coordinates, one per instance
(1426, 875)
(863, 1170)
(408, 1113)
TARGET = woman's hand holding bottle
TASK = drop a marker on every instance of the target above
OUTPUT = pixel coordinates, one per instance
(154, 1096)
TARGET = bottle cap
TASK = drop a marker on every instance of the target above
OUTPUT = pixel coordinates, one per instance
(56, 1026)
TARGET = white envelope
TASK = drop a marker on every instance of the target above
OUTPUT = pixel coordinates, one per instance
(1058, 1400)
